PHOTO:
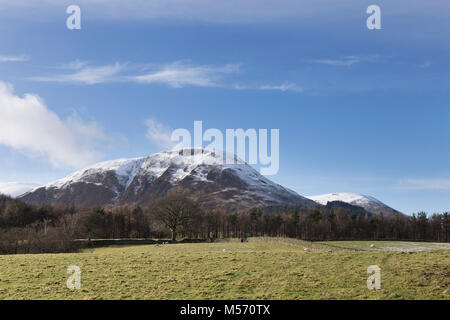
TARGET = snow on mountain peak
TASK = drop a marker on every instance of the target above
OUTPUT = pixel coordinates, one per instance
(347, 197)
(182, 161)
(122, 167)
(369, 203)
(139, 180)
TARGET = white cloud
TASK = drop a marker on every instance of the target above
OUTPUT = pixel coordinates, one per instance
(287, 86)
(75, 65)
(424, 184)
(85, 74)
(159, 134)
(179, 75)
(15, 189)
(347, 61)
(20, 58)
(283, 87)
(176, 75)
(28, 126)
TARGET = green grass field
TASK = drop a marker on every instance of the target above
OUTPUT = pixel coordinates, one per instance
(259, 269)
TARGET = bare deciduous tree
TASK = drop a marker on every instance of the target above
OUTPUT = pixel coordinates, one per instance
(176, 211)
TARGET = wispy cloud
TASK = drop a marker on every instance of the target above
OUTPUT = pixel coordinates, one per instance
(425, 65)
(30, 127)
(175, 75)
(159, 134)
(346, 61)
(85, 74)
(178, 75)
(424, 184)
(75, 65)
(20, 58)
(288, 86)
(284, 87)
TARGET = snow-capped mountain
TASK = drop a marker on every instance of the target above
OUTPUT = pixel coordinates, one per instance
(141, 180)
(369, 203)
(15, 189)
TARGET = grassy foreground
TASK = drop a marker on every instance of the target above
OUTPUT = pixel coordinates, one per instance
(259, 269)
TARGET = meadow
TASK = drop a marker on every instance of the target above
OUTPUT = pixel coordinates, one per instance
(263, 268)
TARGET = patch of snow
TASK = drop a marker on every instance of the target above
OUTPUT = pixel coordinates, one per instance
(120, 166)
(412, 247)
(347, 197)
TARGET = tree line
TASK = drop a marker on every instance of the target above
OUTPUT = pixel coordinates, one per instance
(26, 228)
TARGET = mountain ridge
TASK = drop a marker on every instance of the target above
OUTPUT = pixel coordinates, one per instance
(142, 180)
(369, 203)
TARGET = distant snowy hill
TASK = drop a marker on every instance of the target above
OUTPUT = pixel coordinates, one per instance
(15, 189)
(141, 180)
(367, 202)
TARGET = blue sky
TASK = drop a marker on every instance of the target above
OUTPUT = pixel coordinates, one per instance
(358, 110)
